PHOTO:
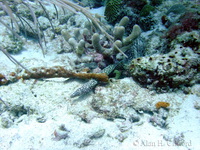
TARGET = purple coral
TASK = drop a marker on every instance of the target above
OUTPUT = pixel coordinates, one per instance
(174, 31)
(188, 22)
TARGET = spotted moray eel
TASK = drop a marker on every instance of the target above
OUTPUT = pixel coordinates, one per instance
(92, 83)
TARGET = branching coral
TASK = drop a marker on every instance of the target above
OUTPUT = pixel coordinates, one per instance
(70, 5)
(92, 42)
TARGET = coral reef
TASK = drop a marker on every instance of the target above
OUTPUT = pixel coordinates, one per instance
(87, 41)
(112, 61)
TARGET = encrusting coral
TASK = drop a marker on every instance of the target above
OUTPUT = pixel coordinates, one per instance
(162, 73)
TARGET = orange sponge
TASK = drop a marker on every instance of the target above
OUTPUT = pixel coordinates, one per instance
(162, 104)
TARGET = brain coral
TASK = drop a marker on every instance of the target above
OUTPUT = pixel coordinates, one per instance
(163, 72)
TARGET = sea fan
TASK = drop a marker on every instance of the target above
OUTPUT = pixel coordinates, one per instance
(113, 9)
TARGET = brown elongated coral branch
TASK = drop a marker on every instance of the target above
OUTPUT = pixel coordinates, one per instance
(42, 72)
(59, 71)
(99, 76)
(56, 71)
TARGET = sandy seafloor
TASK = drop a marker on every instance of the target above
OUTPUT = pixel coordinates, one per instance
(51, 107)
